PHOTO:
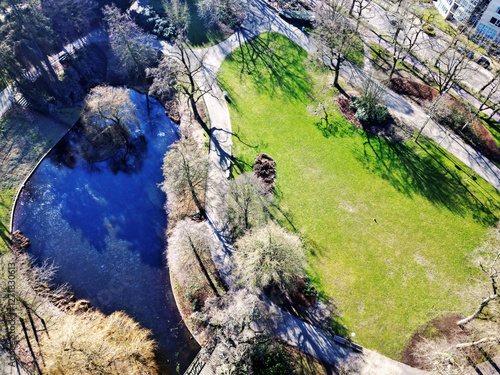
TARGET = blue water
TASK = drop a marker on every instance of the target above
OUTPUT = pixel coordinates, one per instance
(103, 225)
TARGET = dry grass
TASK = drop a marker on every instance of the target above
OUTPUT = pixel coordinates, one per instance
(92, 343)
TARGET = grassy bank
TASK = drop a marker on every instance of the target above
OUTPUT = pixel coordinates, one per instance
(390, 226)
(25, 136)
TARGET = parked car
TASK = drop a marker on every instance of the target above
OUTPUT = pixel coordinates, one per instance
(429, 30)
(484, 62)
(467, 52)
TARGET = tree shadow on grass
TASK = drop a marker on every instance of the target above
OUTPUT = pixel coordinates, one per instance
(425, 173)
(4, 234)
(274, 63)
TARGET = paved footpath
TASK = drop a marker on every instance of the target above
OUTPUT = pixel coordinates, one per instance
(306, 337)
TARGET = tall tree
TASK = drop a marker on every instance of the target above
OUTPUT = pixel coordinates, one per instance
(185, 169)
(188, 249)
(248, 204)
(177, 12)
(130, 44)
(222, 14)
(453, 61)
(108, 116)
(334, 35)
(181, 66)
(30, 38)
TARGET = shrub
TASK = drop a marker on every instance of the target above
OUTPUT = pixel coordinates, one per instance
(368, 109)
(150, 21)
(299, 17)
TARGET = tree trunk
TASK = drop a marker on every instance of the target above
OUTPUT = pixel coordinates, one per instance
(337, 72)
(29, 345)
(202, 266)
(489, 82)
(393, 68)
(351, 9)
(478, 311)
(197, 116)
(197, 202)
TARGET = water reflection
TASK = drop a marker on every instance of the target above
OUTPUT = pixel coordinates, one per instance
(103, 226)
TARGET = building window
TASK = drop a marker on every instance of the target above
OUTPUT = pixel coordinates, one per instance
(498, 11)
(495, 22)
(488, 32)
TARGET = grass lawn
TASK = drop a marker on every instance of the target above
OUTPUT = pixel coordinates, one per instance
(24, 139)
(390, 227)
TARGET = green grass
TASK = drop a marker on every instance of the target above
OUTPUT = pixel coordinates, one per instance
(390, 227)
(492, 125)
(357, 55)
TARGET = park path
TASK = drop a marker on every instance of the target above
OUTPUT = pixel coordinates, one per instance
(294, 331)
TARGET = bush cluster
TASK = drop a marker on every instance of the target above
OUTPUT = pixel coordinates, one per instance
(148, 19)
(368, 111)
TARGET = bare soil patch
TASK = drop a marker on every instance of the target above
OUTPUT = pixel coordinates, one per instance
(421, 92)
(445, 326)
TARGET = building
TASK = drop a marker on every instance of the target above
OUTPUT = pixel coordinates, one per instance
(488, 24)
(482, 15)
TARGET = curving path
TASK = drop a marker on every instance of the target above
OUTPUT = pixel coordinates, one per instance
(306, 337)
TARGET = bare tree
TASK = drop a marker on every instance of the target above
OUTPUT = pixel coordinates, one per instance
(356, 10)
(92, 343)
(269, 256)
(187, 252)
(248, 204)
(480, 331)
(441, 356)
(130, 44)
(107, 105)
(163, 85)
(490, 90)
(334, 35)
(222, 14)
(180, 67)
(23, 313)
(185, 169)
(108, 116)
(406, 27)
(453, 62)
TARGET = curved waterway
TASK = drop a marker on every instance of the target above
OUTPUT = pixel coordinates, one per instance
(103, 225)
